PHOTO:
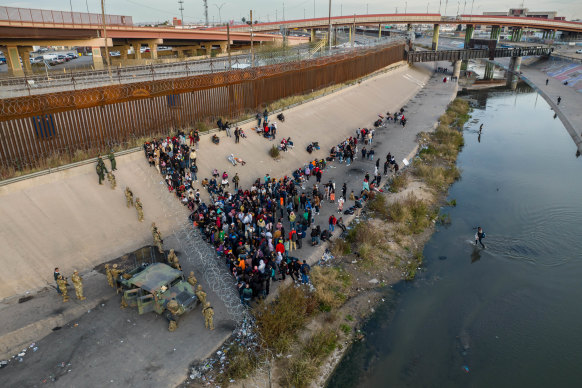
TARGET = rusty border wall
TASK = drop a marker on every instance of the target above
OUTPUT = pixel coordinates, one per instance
(48, 125)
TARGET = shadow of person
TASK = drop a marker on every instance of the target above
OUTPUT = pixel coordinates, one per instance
(475, 255)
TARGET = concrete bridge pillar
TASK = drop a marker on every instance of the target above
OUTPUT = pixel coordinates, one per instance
(224, 47)
(97, 58)
(495, 32)
(312, 35)
(516, 34)
(136, 50)
(153, 50)
(469, 34)
(13, 60)
(435, 37)
(123, 51)
(489, 71)
(457, 69)
(513, 70)
(379, 31)
(24, 53)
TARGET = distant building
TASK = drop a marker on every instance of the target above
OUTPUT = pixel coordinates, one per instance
(525, 12)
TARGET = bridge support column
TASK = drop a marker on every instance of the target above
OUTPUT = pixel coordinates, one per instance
(457, 69)
(553, 37)
(97, 58)
(123, 52)
(24, 53)
(312, 35)
(514, 65)
(468, 34)
(495, 32)
(13, 60)
(489, 71)
(435, 37)
(516, 34)
(153, 50)
(136, 50)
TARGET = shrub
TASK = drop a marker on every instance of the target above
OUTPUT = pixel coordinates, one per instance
(240, 363)
(274, 152)
(378, 206)
(331, 285)
(398, 182)
(413, 213)
(340, 247)
(279, 321)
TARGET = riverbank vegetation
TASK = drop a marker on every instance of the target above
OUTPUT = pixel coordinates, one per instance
(305, 326)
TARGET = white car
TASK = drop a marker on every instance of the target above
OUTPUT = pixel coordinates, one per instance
(579, 51)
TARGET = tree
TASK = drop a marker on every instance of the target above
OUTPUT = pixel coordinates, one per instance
(244, 20)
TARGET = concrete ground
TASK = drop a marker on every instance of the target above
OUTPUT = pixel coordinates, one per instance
(105, 346)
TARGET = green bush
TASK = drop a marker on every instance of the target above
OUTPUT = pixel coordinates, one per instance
(274, 152)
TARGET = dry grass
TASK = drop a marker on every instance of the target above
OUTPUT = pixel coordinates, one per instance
(241, 363)
(302, 368)
(379, 207)
(331, 286)
(398, 183)
(278, 322)
(414, 214)
(437, 177)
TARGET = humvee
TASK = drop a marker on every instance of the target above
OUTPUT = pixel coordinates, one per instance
(160, 288)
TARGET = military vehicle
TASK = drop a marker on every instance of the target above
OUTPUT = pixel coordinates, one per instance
(160, 288)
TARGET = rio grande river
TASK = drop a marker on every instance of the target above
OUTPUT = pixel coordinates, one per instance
(509, 315)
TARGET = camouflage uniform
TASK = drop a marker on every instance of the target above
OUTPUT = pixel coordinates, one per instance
(111, 157)
(173, 308)
(109, 275)
(128, 197)
(111, 179)
(99, 170)
(208, 313)
(157, 237)
(115, 272)
(63, 287)
(173, 260)
(201, 295)
(139, 208)
(192, 280)
(78, 284)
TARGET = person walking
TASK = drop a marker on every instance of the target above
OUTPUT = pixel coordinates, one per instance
(479, 236)
(547, 80)
(559, 100)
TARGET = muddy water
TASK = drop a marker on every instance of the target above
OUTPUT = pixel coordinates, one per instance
(508, 315)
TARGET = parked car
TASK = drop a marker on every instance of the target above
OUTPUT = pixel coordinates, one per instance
(579, 51)
(72, 56)
(64, 57)
(2, 60)
(38, 59)
(114, 54)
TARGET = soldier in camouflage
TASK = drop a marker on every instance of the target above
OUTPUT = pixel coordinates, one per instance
(129, 197)
(201, 295)
(62, 283)
(111, 179)
(208, 313)
(139, 208)
(173, 308)
(157, 238)
(173, 260)
(78, 284)
(115, 272)
(192, 279)
(109, 275)
(99, 170)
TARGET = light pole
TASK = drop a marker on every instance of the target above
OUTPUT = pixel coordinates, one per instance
(329, 20)
(87, 4)
(219, 8)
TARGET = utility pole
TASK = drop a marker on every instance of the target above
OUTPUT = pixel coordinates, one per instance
(206, 11)
(405, 6)
(329, 33)
(181, 8)
(87, 4)
(228, 45)
(283, 11)
(219, 14)
(314, 9)
(105, 36)
(252, 49)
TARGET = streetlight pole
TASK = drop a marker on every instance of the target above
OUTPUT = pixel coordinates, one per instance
(329, 33)
(219, 8)
(105, 36)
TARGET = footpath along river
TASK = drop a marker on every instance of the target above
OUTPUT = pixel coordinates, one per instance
(508, 315)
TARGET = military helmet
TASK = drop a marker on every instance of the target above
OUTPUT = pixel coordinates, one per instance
(114, 265)
(172, 250)
(191, 273)
(75, 271)
(200, 287)
(172, 304)
(207, 304)
(106, 265)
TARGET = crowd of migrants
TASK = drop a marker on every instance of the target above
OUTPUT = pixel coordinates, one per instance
(247, 228)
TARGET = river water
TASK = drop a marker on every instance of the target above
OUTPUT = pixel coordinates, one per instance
(508, 315)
